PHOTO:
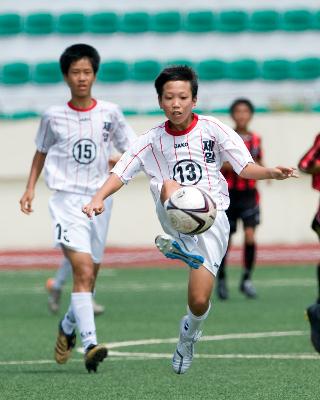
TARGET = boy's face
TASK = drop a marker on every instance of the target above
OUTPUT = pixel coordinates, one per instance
(177, 102)
(80, 78)
(241, 116)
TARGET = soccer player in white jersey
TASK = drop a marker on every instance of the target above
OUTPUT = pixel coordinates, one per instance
(187, 149)
(73, 145)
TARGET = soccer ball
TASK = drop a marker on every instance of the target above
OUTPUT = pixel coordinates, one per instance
(190, 210)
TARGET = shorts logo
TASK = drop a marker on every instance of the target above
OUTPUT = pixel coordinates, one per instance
(208, 146)
(187, 172)
(84, 151)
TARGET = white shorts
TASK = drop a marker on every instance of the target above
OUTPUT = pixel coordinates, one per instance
(75, 230)
(212, 244)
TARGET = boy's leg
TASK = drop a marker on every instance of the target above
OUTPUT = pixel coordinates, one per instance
(246, 285)
(55, 285)
(199, 292)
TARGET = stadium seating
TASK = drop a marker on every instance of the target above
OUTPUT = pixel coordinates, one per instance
(135, 22)
(232, 21)
(15, 73)
(180, 61)
(71, 23)
(166, 22)
(199, 21)
(264, 21)
(113, 71)
(305, 69)
(245, 69)
(47, 73)
(211, 70)
(39, 24)
(296, 20)
(145, 70)
(103, 22)
(277, 69)
(10, 24)
(316, 20)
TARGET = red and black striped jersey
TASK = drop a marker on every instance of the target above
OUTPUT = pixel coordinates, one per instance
(235, 182)
(310, 160)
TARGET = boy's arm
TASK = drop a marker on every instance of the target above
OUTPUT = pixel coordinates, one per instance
(254, 171)
(35, 171)
(96, 206)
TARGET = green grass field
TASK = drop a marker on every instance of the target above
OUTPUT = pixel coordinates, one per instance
(145, 304)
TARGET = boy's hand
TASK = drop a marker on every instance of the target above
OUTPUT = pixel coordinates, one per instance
(281, 173)
(26, 201)
(95, 207)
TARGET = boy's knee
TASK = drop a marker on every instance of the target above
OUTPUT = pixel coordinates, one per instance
(199, 306)
(168, 187)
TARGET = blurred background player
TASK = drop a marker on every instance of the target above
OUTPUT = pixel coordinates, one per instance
(73, 145)
(310, 164)
(244, 201)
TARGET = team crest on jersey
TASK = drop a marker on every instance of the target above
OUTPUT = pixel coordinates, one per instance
(106, 130)
(208, 146)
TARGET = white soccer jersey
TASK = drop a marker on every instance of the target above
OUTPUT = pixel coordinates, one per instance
(191, 157)
(78, 145)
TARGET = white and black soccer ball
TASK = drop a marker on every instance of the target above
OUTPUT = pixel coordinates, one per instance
(190, 210)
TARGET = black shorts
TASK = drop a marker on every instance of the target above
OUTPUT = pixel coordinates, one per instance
(244, 205)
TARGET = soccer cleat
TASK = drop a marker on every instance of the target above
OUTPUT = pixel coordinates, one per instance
(222, 289)
(64, 345)
(98, 309)
(313, 313)
(172, 249)
(54, 296)
(247, 288)
(183, 355)
(93, 356)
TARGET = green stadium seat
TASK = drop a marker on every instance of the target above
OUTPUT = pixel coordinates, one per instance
(103, 22)
(296, 20)
(15, 73)
(39, 24)
(10, 24)
(180, 61)
(199, 21)
(306, 68)
(245, 69)
(113, 71)
(135, 22)
(166, 22)
(232, 21)
(71, 23)
(276, 70)
(47, 73)
(316, 20)
(209, 70)
(145, 70)
(264, 21)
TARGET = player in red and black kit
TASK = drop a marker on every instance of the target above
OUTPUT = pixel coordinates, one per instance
(244, 200)
(310, 164)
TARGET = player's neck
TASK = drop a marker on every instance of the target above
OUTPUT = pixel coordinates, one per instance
(183, 126)
(82, 102)
(242, 131)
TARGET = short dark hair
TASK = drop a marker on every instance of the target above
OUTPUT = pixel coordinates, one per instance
(241, 101)
(177, 73)
(77, 52)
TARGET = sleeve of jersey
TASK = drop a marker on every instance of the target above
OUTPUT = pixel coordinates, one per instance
(123, 134)
(233, 148)
(132, 161)
(45, 137)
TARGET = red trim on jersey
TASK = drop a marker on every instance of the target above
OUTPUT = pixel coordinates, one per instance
(156, 161)
(180, 133)
(94, 103)
(174, 146)
(134, 156)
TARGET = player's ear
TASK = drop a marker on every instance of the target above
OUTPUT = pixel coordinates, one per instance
(194, 101)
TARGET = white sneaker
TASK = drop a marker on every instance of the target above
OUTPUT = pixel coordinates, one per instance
(172, 249)
(182, 357)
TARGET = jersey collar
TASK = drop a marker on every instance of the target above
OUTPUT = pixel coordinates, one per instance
(94, 103)
(180, 133)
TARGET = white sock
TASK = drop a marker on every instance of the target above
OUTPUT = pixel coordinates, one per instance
(62, 274)
(83, 312)
(69, 321)
(194, 323)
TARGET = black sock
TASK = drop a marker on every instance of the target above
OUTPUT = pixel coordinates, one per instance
(249, 259)
(318, 281)
(222, 269)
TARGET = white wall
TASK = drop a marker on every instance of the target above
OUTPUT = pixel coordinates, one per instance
(287, 207)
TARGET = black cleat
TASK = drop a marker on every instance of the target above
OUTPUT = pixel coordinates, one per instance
(222, 289)
(247, 288)
(64, 345)
(93, 356)
(313, 313)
